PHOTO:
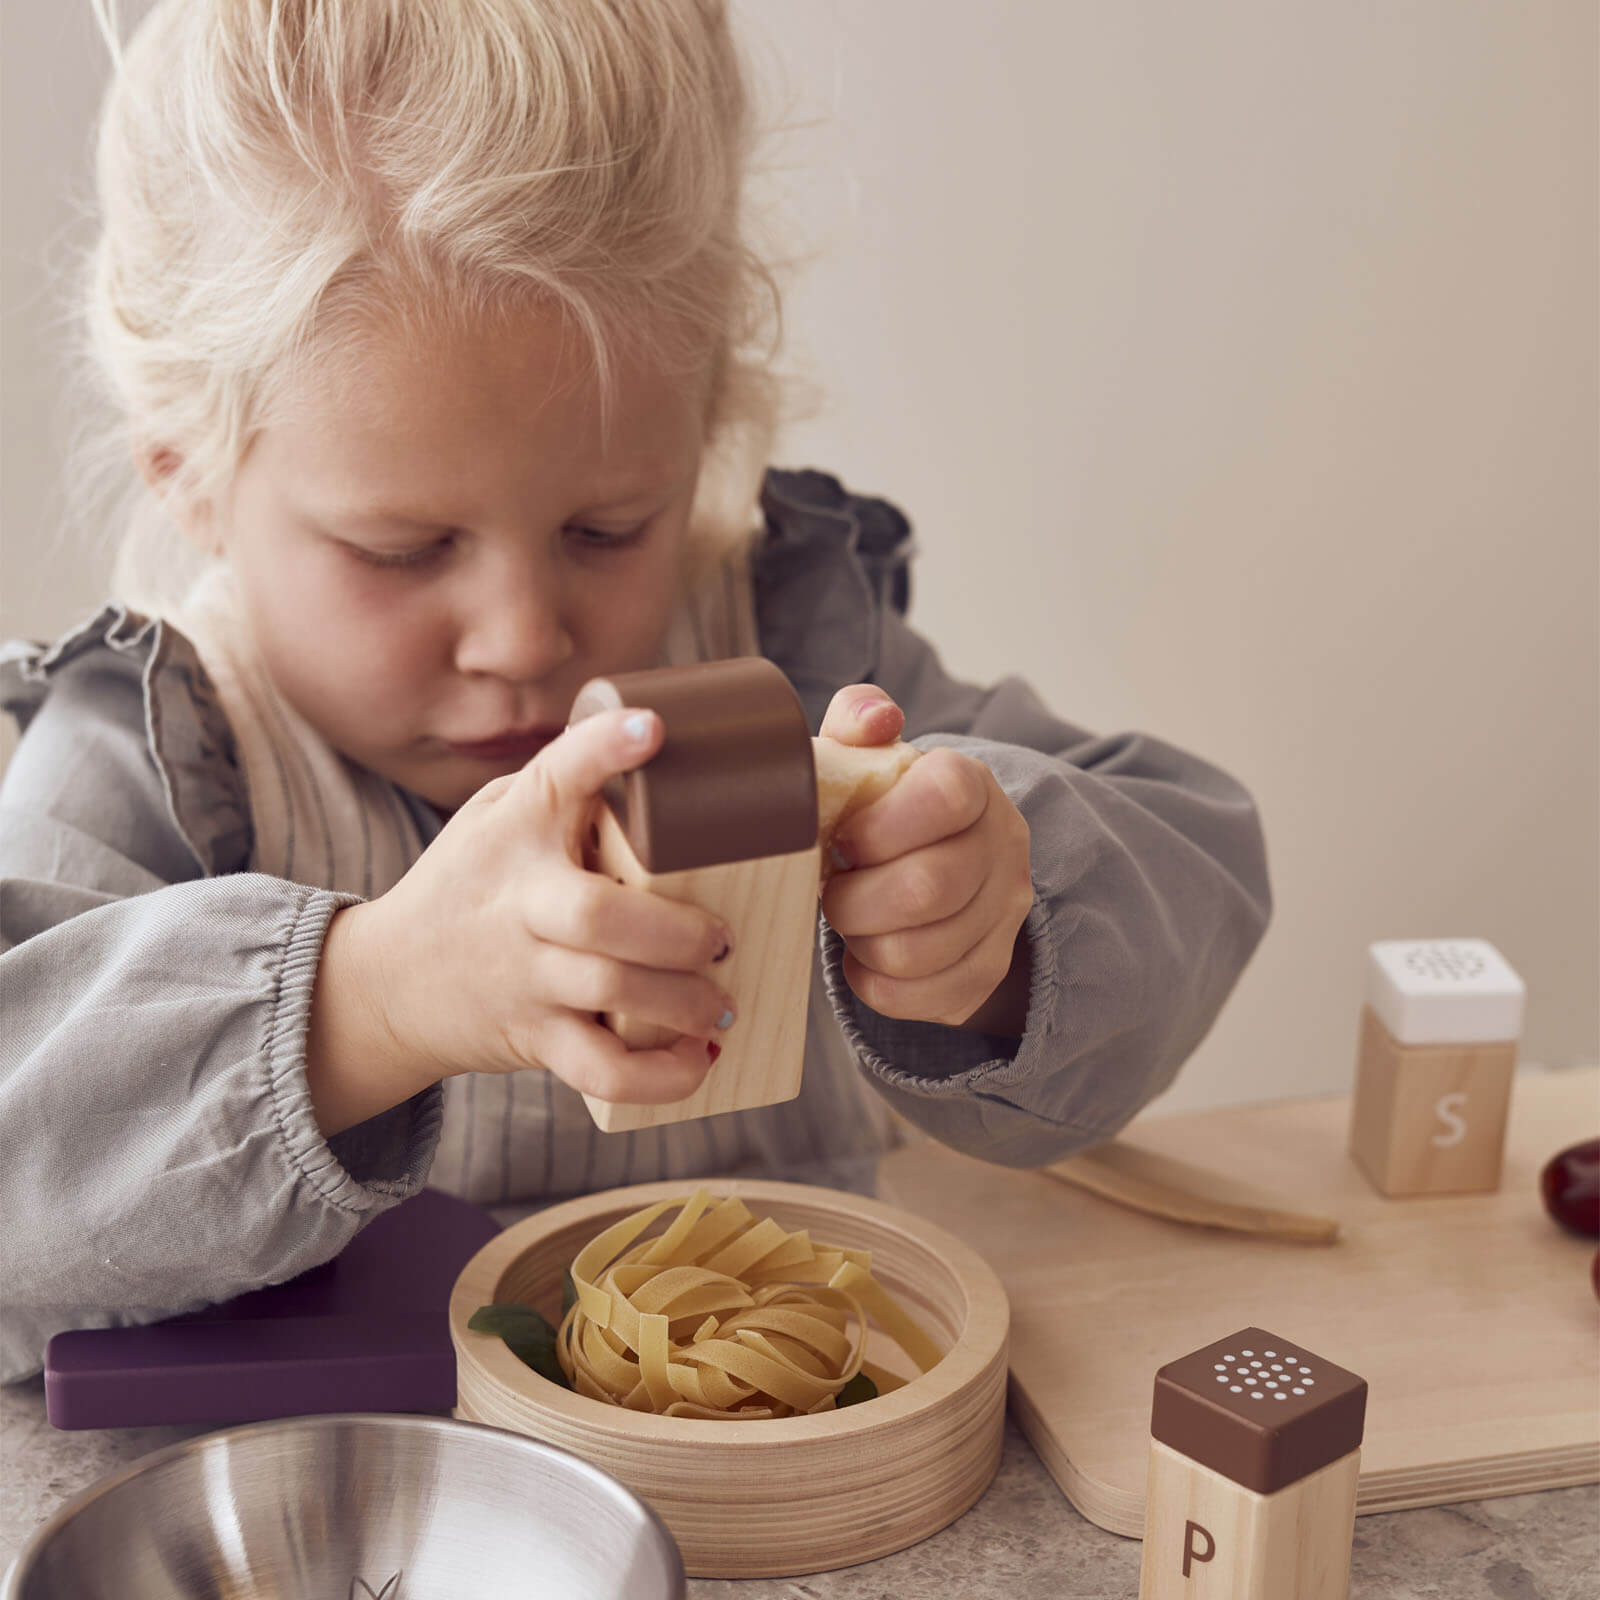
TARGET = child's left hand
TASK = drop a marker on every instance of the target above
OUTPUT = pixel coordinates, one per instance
(932, 911)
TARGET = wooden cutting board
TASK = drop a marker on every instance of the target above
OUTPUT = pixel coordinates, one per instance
(1470, 1316)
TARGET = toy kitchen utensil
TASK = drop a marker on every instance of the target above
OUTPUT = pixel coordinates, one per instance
(788, 1495)
(367, 1330)
(724, 815)
(351, 1507)
(1435, 1063)
(1255, 1450)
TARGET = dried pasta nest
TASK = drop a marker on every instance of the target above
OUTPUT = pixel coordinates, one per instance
(724, 1315)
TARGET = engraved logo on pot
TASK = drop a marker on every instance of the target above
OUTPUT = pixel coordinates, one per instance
(390, 1590)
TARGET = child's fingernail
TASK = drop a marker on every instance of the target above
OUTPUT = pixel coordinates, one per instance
(724, 950)
(841, 858)
(726, 1019)
(870, 706)
(637, 727)
(713, 1049)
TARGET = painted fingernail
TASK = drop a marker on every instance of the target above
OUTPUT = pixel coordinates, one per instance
(713, 1049)
(841, 858)
(637, 727)
(726, 1019)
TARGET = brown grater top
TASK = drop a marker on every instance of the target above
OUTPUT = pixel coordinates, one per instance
(1259, 1409)
(734, 779)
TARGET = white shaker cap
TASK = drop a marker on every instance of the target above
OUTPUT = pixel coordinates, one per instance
(1444, 991)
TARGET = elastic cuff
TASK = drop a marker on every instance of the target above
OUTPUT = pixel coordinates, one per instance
(951, 1062)
(417, 1121)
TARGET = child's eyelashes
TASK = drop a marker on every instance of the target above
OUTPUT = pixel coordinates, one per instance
(400, 558)
(589, 539)
(599, 539)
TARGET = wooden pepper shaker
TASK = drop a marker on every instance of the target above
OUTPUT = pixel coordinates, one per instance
(1255, 1451)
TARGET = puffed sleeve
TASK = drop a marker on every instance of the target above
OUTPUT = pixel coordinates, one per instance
(158, 1148)
(1149, 870)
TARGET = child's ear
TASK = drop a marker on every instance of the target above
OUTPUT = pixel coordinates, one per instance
(159, 464)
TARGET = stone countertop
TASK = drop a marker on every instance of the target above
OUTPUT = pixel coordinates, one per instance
(1023, 1534)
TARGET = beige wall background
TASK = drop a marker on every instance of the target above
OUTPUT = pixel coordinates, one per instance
(1238, 367)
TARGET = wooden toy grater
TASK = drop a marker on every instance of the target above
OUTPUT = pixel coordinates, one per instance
(724, 816)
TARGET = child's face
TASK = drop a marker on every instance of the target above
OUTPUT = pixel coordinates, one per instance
(437, 552)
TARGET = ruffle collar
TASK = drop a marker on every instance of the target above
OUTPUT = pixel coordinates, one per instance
(189, 736)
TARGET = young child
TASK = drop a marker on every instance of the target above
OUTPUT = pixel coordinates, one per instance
(432, 326)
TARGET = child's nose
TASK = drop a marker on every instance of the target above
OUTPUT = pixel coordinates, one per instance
(513, 628)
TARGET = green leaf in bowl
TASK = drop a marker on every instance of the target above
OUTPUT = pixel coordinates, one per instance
(859, 1388)
(527, 1334)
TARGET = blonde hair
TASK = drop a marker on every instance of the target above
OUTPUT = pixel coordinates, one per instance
(271, 173)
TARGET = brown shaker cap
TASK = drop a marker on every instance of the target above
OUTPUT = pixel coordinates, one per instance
(734, 779)
(1260, 1410)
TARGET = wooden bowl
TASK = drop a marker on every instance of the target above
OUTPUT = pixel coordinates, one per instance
(791, 1495)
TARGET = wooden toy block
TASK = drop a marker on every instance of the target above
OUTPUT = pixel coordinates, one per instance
(724, 816)
(1255, 1451)
(1435, 1064)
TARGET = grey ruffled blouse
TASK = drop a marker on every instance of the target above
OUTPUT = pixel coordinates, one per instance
(158, 1151)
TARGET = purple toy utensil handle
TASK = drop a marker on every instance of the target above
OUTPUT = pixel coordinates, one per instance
(222, 1372)
(368, 1330)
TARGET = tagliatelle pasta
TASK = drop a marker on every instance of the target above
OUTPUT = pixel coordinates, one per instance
(725, 1315)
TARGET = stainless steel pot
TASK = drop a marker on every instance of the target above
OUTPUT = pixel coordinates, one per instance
(352, 1507)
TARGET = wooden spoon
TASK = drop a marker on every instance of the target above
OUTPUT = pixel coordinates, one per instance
(1162, 1186)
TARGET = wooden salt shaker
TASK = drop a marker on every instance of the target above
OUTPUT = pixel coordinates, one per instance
(1255, 1452)
(1437, 1056)
(724, 816)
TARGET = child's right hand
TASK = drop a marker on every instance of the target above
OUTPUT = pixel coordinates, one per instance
(497, 950)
